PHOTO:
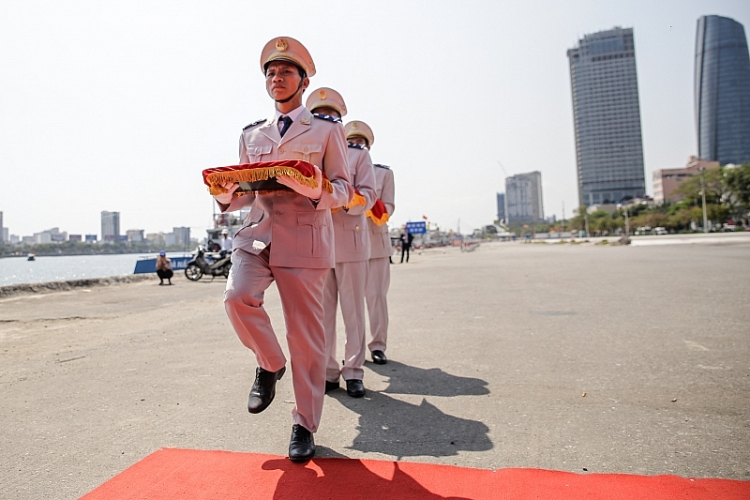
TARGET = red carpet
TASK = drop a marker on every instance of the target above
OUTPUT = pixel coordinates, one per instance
(218, 475)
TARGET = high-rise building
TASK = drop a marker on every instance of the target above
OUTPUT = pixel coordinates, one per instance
(110, 226)
(501, 207)
(181, 235)
(607, 118)
(722, 90)
(2, 231)
(523, 198)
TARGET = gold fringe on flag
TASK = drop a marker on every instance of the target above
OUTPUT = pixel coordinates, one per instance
(216, 179)
(378, 222)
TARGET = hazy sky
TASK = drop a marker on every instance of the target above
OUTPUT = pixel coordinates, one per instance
(119, 105)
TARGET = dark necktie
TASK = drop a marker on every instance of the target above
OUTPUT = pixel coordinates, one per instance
(285, 123)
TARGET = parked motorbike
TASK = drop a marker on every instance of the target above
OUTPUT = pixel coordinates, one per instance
(200, 265)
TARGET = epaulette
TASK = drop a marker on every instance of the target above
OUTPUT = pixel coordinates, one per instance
(357, 146)
(330, 118)
(381, 166)
(254, 124)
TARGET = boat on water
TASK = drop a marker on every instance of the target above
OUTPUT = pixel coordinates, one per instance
(31, 257)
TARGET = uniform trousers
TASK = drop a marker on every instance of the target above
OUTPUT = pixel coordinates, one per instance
(376, 290)
(301, 292)
(346, 284)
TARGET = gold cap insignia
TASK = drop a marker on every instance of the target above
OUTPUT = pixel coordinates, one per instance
(354, 126)
(323, 95)
(282, 45)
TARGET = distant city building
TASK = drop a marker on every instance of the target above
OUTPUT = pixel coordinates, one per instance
(181, 235)
(523, 198)
(53, 235)
(501, 207)
(135, 235)
(110, 226)
(75, 237)
(667, 180)
(3, 237)
(607, 118)
(157, 239)
(90, 238)
(722, 90)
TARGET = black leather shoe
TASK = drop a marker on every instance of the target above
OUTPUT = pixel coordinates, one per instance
(332, 386)
(355, 388)
(378, 357)
(302, 444)
(263, 390)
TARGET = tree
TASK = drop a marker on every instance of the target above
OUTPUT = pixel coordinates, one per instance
(738, 184)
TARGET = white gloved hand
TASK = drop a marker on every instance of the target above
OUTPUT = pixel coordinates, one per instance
(226, 198)
(310, 192)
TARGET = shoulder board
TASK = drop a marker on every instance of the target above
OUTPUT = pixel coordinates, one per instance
(254, 124)
(356, 146)
(327, 117)
(381, 166)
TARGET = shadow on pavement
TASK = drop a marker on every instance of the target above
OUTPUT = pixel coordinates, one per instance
(397, 428)
(405, 379)
(345, 479)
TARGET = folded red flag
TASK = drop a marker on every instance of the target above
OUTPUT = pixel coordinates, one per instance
(261, 176)
(378, 213)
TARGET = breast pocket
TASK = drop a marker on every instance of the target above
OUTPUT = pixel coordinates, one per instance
(255, 153)
(310, 228)
(308, 152)
(354, 234)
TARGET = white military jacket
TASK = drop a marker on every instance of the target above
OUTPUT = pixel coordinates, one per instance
(350, 227)
(299, 230)
(380, 240)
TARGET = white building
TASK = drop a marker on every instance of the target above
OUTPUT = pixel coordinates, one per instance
(523, 198)
(110, 226)
(135, 235)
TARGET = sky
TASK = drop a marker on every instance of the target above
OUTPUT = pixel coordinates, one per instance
(119, 105)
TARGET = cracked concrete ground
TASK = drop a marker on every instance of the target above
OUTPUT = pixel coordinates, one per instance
(612, 359)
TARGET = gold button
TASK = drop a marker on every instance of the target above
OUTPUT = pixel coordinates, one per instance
(356, 228)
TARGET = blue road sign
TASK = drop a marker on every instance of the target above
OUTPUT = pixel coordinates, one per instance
(416, 227)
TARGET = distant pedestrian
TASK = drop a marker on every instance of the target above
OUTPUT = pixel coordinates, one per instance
(226, 243)
(406, 240)
(164, 268)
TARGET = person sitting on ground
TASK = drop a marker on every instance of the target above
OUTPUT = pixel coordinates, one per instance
(164, 268)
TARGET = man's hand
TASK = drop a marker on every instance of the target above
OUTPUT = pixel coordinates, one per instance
(226, 198)
(312, 193)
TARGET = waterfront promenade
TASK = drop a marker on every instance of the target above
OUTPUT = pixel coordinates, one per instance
(582, 358)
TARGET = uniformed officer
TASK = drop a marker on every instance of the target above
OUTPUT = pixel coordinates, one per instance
(378, 267)
(287, 237)
(346, 282)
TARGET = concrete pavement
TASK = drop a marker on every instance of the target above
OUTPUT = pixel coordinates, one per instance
(567, 357)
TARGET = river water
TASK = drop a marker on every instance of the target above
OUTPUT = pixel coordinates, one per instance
(14, 270)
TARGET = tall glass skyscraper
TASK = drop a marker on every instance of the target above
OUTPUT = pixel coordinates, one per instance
(722, 91)
(607, 118)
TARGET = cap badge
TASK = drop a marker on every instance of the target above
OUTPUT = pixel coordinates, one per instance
(323, 95)
(354, 126)
(282, 45)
